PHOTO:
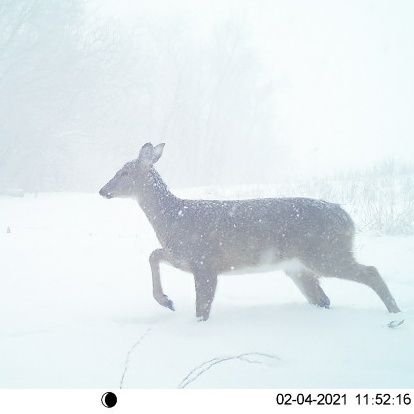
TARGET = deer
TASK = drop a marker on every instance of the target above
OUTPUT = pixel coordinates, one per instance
(307, 238)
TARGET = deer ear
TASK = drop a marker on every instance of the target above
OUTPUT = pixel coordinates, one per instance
(146, 154)
(158, 149)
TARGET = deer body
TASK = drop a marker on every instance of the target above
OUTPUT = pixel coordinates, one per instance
(307, 238)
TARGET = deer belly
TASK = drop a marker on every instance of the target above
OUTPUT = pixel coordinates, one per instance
(290, 265)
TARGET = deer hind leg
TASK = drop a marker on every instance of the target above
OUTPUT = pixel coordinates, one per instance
(345, 267)
(155, 258)
(205, 287)
(309, 285)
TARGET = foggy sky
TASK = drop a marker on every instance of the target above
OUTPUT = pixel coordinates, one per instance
(285, 88)
(342, 71)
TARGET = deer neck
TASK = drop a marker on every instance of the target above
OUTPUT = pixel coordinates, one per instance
(158, 203)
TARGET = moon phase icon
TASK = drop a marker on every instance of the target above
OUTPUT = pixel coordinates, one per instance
(109, 400)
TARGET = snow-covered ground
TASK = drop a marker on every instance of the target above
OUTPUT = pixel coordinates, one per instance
(76, 310)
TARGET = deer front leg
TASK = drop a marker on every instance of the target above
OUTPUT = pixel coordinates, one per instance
(155, 258)
(205, 286)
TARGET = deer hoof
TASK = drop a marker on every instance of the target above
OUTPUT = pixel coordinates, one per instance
(165, 301)
(324, 303)
(170, 305)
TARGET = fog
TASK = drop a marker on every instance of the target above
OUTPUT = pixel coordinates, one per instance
(306, 104)
(241, 92)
